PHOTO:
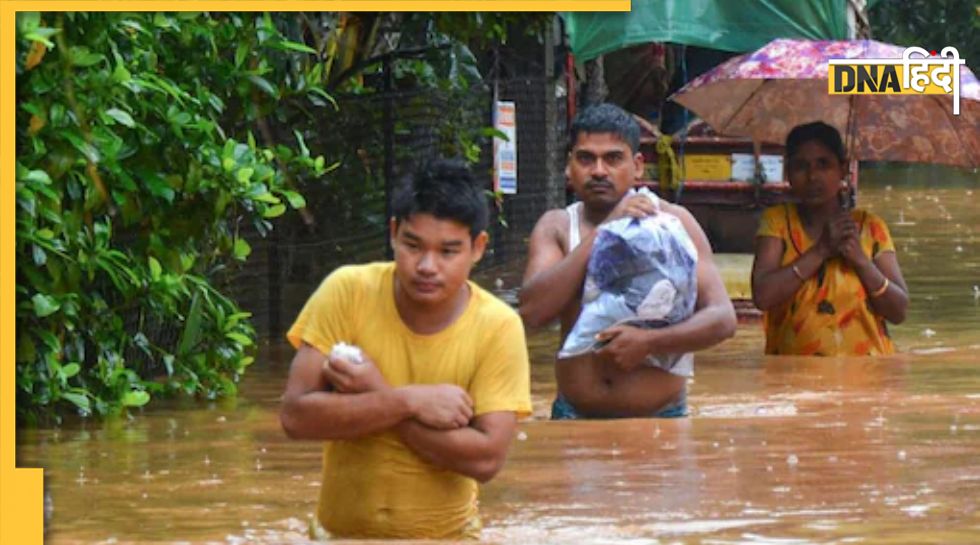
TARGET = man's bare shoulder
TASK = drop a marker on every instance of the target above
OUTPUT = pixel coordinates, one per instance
(556, 217)
(554, 225)
(689, 222)
(676, 210)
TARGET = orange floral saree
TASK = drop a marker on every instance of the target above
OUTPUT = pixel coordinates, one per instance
(830, 315)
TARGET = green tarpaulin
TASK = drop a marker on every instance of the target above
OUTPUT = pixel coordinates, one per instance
(730, 25)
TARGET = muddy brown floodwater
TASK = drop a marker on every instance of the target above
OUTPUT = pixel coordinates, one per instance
(778, 450)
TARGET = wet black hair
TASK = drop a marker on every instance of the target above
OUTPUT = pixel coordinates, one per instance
(607, 118)
(444, 188)
(818, 131)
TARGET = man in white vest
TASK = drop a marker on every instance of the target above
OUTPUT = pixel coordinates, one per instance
(604, 163)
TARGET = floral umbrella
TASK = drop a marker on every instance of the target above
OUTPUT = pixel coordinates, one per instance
(764, 94)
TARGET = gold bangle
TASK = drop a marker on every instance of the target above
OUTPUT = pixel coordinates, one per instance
(881, 291)
(796, 271)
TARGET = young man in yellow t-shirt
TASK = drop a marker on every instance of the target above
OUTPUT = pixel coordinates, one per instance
(432, 407)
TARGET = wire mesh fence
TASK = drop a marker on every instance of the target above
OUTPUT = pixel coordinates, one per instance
(382, 137)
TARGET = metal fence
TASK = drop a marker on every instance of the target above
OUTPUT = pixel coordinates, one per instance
(379, 137)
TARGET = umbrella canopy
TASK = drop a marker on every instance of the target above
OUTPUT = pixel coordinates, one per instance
(764, 94)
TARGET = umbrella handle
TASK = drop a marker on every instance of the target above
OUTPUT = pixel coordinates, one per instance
(846, 196)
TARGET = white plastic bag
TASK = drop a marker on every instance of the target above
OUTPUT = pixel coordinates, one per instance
(642, 272)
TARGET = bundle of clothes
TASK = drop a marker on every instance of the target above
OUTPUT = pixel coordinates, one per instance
(642, 273)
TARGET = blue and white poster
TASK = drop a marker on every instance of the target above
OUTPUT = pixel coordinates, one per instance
(505, 150)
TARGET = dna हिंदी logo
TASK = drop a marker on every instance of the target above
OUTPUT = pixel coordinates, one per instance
(924, 74)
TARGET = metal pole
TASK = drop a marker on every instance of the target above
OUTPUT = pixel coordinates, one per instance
(389, 148)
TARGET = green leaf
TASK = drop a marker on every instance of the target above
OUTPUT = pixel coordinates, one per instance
(315, 75)
(120, 74)
(28, 21)
(243, 340)
(130, 23)
(86, 149)
(42, 35)
(49, 340)
(81, 56)
(121, 116)
(70, 370)
(155, 82)
(233, 320)
(295, 199)
(157, 186)
(264, 84)
(33, 109)
(58, 114)
(304, 151)
(241, 52)
(216, 103)
(192, 327)
(263, 173)
(39, 255)
(28, 201)
(168, 362)
(135, 398)
(491, 132)
(241, 249)
(284, 153)
(295, 46)
(326, 96)
(267, 197)
(80, 400)
(44, 305)
(155, 268)
(162, 20)
(187, 261)
(244, 175)
(181, 118)
(274, 211)
(38, 176)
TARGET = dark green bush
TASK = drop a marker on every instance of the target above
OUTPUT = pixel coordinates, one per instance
(137, 169)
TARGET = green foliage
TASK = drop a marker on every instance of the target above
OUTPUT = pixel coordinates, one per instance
(148, 143)
(929, 24)
(484, 28)
(137, 169)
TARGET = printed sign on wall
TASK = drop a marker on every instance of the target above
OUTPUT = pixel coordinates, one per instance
(505, 151)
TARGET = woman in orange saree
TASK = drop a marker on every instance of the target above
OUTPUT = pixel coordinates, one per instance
(826, 276)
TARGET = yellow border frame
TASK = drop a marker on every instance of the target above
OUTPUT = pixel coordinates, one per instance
(21, 489)
(318, 5)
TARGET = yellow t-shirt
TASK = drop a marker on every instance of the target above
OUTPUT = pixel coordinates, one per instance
(830, 314)
(375, 487)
